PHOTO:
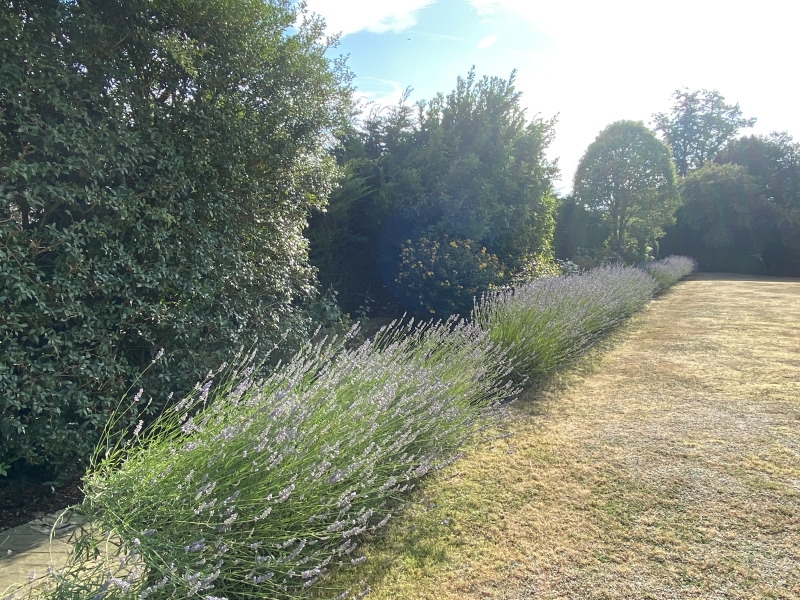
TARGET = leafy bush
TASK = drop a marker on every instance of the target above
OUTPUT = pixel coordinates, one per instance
(158, 162)
(549, 320)
(668, 271)
(253, 489)
(443, 277)
(534, 266)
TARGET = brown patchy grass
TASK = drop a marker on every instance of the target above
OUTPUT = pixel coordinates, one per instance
(667, 465)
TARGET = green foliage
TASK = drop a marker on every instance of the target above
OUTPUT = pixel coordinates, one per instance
(742, 213)
(698, 126)
(581, 234)
(724, 204)
(628, 178)
(157, 162)
(340, 246)
(326, 309)
(466, 166)
(774, 163)
(535, 266)
(443, 277)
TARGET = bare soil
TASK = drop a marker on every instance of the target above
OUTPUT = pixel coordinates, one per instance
(31, 495)
(667, 466)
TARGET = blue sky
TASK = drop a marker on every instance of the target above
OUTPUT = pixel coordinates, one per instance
(447, 40)
(590, 63)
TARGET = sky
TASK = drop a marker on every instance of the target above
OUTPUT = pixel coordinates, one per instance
(588, 63)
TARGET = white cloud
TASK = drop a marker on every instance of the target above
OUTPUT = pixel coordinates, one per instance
(484, 7)
(378, 16)
(382, 92)
(487, 41)
(622, 59)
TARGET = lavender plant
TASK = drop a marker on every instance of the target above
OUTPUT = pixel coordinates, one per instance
(668, 271)
(549, 320)
(254, 488)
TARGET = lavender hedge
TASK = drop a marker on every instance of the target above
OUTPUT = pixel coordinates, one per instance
(253, 488)
(668, 271)
(549, 320)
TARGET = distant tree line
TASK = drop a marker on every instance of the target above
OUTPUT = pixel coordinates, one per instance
(734, 205)
(741, 212)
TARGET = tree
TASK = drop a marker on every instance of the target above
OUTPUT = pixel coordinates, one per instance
(723, 203)
(580, 234)
(460, 183)
(628, 177)
(774, 163)
(157, 163)
(699, 125)
(742, 212)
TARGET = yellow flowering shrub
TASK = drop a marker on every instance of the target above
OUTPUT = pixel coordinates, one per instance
(443, 276)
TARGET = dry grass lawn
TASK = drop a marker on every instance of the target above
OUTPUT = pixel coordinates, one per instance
(666, 466)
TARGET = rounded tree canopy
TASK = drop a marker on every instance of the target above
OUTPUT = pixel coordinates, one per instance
(627, 175)
(699, 125)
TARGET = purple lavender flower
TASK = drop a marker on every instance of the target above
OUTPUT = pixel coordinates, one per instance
(205, 390)
(285, 493)
(262, 578)
(197, 546)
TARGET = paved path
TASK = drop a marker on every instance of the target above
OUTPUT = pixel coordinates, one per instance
(27, 551)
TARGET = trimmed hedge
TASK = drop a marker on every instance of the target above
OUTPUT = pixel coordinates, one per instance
(157, 163)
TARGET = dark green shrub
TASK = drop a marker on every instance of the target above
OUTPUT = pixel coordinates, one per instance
(469, 165)
(443, 277)
(742, 212)
(157, 162)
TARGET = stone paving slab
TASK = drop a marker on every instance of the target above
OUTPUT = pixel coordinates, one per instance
(27, 551)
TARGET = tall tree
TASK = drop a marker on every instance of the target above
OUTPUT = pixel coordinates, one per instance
(462, 178)
(774, 162)
(698, 126)
(157, 162)
(742, 212)
(627, 175)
